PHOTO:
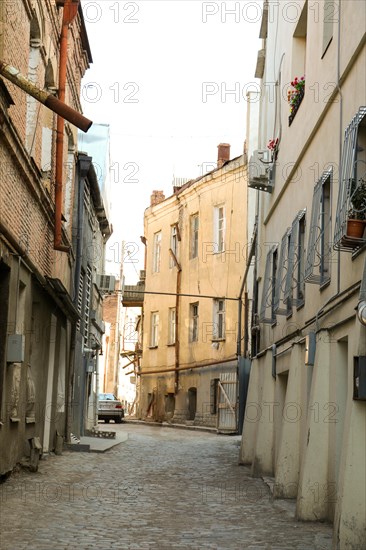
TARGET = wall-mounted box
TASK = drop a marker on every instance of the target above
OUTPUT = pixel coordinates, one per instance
(90, 366)
(15, 348)
(359, 378)
(310, 348)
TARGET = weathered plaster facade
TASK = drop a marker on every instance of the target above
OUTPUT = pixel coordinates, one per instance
(302, 424)
(196, 252)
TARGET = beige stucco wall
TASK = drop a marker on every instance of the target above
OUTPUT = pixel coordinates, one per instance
(320, 459)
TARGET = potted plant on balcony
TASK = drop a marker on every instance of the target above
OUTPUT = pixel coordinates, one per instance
(357, 213)
(273, 147)
(295, 96)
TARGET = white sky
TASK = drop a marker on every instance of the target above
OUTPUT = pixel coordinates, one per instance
(151, 60)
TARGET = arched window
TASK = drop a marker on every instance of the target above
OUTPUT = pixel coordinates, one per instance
(33, 105)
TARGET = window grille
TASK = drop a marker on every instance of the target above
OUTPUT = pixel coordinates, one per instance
(295, 275)
(317, 268)
(349, 179)
(268, 288)
(281, 276)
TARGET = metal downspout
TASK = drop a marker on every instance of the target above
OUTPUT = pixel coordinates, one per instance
(69, 13)
(177, 304)
(49, 100)
(240, 305)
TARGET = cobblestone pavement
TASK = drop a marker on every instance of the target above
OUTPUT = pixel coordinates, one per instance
(162, 489)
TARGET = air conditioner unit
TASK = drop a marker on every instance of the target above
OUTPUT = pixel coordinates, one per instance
(106, 283)
(261, 175)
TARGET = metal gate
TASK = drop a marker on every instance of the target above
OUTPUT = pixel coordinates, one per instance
(227, 418)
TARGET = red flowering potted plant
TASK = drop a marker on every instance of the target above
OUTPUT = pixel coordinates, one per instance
(273, 147)
(295, 96)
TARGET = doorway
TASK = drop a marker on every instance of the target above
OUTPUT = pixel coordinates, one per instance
(192, 403)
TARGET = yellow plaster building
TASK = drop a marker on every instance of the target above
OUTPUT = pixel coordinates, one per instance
(196, 251)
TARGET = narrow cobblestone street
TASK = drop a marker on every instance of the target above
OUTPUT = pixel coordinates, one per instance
(162, 489)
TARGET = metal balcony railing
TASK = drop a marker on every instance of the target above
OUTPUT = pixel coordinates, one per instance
(352, 186)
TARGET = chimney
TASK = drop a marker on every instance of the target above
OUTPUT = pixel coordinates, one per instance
(223, 154)
(156, 197)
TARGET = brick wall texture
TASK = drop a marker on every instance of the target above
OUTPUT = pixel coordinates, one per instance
(29, 40)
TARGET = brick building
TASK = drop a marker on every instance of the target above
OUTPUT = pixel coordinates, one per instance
(37, 314)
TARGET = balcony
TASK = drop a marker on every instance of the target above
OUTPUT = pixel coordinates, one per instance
(351, 204)
(261, 171)
(295, 106)
(133, 295)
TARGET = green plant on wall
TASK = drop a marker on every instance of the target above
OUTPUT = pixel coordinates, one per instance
(358, 200)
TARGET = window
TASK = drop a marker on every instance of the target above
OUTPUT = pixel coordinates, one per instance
(219, 229)
(219, 319)
(267, 313)
(299, 44)
(154, 329)
(290, 245)
(171, 325)
(157, 252)
(173, 244)
(329, 16)
(298, 68)
(33, 106)
(194, 322)
(325, 244)
(300, 287)
(194, 236)
(352, 183)
(317, 268)
(290, 288)
(274, 278)
(280, 264)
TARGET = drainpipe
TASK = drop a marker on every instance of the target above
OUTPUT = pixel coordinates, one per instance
(240, 304)
(177, 304)
(69, 12)
(14, 75)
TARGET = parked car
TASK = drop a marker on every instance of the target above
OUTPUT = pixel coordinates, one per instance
(110, 408)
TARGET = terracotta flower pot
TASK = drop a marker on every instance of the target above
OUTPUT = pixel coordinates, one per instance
(355, 228)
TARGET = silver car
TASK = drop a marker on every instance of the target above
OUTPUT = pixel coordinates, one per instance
(110, 408)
